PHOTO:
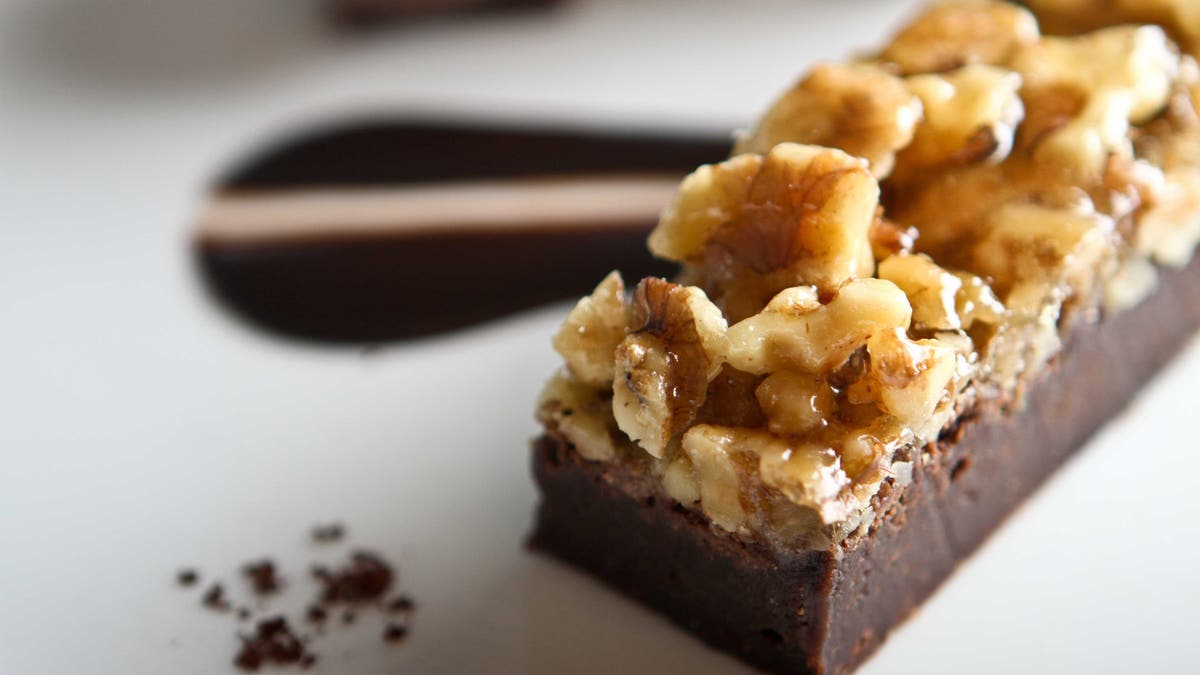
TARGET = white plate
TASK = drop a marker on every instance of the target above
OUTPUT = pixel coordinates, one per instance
(141, 430)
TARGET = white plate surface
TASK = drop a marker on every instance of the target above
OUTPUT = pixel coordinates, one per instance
(142, 430)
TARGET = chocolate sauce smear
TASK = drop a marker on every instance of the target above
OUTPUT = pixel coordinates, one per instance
(364, 14)
(386, 230)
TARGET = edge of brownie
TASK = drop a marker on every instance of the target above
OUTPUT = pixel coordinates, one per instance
(826, 611)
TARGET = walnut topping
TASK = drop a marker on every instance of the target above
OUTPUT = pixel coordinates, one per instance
(679, 480)
(709, 199)
(709, 449)
(911, 377)
(1181, 18)
(1033, 243)
(1124, 72)
(592, 332)
(931, 290)
(1169, 230)
(889, 238)
(750, 227)
(975, 301)
(1006, 186)
(795, 332)
(579, 414)
(971, 115)
(663, 366)
(954, 34)
(859, 108)
(796, 403)
(809, 474)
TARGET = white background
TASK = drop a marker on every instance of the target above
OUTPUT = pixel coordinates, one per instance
(141, 429)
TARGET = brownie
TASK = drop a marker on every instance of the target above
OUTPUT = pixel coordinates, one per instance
(826, 611)
(921, 281)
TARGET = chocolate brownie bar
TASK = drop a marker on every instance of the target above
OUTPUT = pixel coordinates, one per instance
(826, 611)
(891, 296)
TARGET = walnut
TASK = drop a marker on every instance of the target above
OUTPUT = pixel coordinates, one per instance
(710, 449)
(708, 199)
(590, 335)
(750, 227)
(910, 378)
(1134, 280)
(809, 474)
(954, 34)
(976, 302)
(1123, 75)
(795, 332)
(1128, 186)
(1181, 18)
(1029, 336)
(1169, 230)
(1033, 243)
(730, 401)
(931, 290)
(971, 115)
(679, 480)
(889, 238)
(580, 414)
(1172, 140)
(663, 366)
(796, 403)
(859, 108)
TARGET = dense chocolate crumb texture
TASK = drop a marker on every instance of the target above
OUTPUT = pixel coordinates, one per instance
(262, 576)
(897, 241)
(187, 577)
(272, 643)
(364, 580)
(367, 577)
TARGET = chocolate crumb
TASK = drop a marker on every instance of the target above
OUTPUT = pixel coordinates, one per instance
(316, 614)
(395, 632)
(362, 581)
(401, 603)
(187, 577)
(326, 534)
(262, 576)
(272, 642)
(214, 598)
(367, 577)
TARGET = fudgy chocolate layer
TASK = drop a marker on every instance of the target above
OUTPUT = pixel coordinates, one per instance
(826, 611)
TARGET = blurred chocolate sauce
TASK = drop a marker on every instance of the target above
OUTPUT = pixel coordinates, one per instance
(339, 284)
(370, 14)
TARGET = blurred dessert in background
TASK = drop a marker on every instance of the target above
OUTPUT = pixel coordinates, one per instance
(371, 13)
(382, 230)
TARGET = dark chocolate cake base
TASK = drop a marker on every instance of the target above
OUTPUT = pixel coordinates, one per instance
(826, 611)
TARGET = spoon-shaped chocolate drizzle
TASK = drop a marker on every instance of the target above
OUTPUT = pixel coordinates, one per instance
(380, 231)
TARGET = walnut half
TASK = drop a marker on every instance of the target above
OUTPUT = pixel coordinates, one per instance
(752, 226)
(675, 346)
(592, 331)
(953, 34)
(859, 108)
